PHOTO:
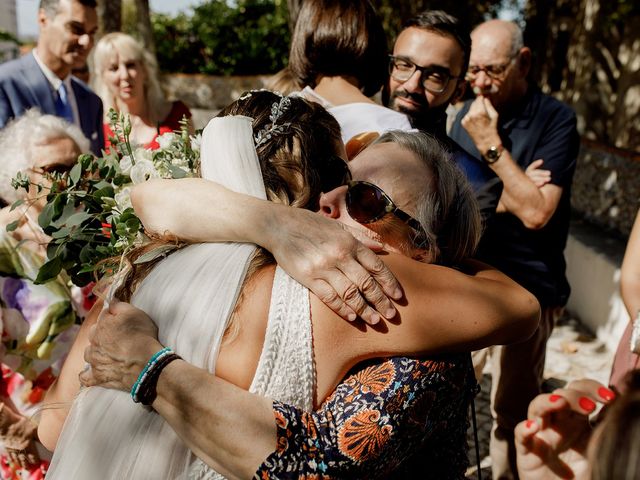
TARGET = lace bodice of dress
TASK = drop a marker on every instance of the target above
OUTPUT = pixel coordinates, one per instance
(286, 370)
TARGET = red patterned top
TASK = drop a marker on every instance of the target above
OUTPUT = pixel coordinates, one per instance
(170, 124)
(395, 418)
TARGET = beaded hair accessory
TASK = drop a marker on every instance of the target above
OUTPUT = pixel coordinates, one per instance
(277, 109)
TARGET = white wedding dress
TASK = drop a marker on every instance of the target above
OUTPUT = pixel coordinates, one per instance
(190, 295)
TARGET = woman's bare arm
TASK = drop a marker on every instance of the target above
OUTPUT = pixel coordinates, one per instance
(231, 429)
(444, 311)
(317, 252)
(630, 272)
(62, 392)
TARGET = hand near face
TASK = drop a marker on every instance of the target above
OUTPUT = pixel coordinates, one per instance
(344, 273)
(120, 344)
(552, 443)
(481, 123)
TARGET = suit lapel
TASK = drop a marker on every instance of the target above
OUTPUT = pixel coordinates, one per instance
(85, 110)
(38, 85)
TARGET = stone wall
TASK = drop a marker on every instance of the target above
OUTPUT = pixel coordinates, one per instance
(206, 95)
(606, 187)
(209, 92)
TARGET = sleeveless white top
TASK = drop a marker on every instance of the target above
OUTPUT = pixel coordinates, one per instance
(286, 369)
(356, 118)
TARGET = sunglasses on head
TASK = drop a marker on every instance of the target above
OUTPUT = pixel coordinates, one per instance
(366, 202)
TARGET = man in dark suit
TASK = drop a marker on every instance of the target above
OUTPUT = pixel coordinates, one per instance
(42, 79)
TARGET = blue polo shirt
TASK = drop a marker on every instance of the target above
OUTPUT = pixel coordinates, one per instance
(545, 128)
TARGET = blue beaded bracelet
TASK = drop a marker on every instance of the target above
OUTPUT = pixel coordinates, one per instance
(143, 374)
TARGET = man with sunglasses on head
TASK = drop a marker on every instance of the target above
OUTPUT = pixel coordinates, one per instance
(426, 75)
(514, 127)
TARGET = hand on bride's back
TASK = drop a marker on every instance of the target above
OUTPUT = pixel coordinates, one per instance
(120, 344)
(339, 269)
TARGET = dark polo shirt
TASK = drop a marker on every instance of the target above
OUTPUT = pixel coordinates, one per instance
(545, 128)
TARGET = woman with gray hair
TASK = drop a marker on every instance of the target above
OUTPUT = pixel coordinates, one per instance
(38, 322)
(126, 79)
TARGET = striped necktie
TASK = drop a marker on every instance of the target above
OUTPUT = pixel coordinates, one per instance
(63, 106)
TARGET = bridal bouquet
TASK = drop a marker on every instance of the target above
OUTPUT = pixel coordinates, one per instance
(88, 214)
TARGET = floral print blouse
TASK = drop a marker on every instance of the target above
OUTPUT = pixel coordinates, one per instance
(38, 323)
(393, 418)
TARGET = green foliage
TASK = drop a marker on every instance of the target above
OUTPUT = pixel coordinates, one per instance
(8, 37)
(88, 213)
(251, 37)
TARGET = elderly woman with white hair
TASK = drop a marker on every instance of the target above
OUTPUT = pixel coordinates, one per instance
(126, 79)
(38, 322)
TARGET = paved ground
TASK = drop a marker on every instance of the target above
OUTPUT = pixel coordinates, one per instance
(572, 352)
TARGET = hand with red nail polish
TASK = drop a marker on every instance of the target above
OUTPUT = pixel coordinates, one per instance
(552, 442)
(606, 394)
(587, 404)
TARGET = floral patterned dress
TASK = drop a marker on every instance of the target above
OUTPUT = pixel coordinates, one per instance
(38, 324)
(396, 418)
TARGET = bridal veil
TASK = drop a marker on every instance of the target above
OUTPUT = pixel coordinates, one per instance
(190, 295)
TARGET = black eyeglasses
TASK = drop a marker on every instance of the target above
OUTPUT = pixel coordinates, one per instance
(366, 202)
(434, 79)
(494, 72)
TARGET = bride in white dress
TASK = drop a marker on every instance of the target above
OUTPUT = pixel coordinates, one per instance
(192, 294)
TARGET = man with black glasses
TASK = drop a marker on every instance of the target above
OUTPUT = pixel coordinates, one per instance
(516, 129)
(427, 69)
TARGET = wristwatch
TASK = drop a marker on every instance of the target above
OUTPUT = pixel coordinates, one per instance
(492, 155)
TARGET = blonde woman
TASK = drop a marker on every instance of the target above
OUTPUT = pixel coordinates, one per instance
(126, 79)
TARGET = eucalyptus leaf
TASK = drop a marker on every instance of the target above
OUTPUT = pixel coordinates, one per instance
(160, 251)
(49, 271)
(62, 233)
(46, 216)
(85, 253)
(177, 172)
(13, 225)
(68, 211)
(75, 173)
(87, 269)
(77, 219)
(16, 204)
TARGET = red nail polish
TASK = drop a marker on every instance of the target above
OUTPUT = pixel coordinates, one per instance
(606, 394)
(554, 398)
(529, 424)
(587, 404)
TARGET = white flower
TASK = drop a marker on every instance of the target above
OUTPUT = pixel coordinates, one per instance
(142, 154)
(126, 164)
(166, 140)
(123, 199)
(196, 140)
(142, 171)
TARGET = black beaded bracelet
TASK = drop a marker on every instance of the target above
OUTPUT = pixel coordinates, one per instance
(147, 391)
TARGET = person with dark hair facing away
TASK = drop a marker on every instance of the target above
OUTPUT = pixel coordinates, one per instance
(43, 79)
(339, 55)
